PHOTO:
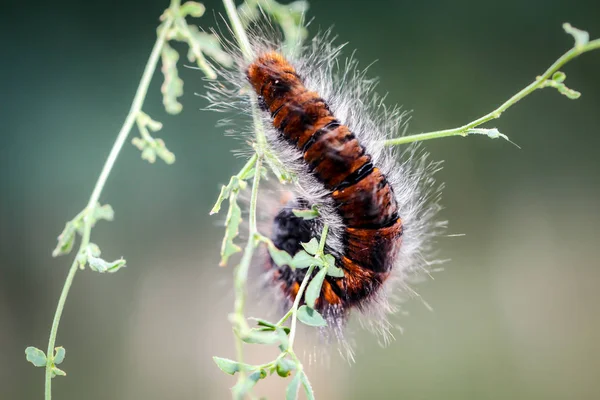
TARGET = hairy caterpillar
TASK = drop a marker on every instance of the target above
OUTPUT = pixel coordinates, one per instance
(380, 205)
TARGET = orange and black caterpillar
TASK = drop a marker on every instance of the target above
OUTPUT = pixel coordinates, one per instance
(362, 195)
(324, 122)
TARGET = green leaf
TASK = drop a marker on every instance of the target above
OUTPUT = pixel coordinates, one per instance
(291, 392)
(307, 386)
(280, 257)
(225, 192)
(303, 260)
(261, 337)
(282, 335)
(59, 355)
(145, 120)
(208, 44)
(290, 18)
(102, 266)
(559, 77)
(152, 148)
(269, 326)
(104, 212)
(192, 8)
(65, 240)
(232, 224)
(232, 187)
(162, 152)
(310, 317)
(284, 367)
(229, 366)
(244, 386)
(581, 37)
(332, 270)
(200, 43)
(278, 168)
(312, 246)
(58, 372)
(557, 82)
(335, 272)
(265, 323)
(313, 291)
(172, 88)
(36, 356)
(307, 214)
(93, 250)
(570, 93)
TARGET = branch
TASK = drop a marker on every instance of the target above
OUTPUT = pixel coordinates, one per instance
(552, 77)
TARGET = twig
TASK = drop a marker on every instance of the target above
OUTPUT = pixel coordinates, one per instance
(136, 107)
(546, 79)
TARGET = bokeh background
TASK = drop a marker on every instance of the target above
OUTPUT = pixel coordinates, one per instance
(516, 313)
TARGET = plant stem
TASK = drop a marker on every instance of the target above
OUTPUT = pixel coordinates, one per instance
(136, 107)
(248, 166)
(238, 30)
(241, 271)
(294, 309)
(203, 64)
(297, 303)
(323, 240)
(537, 84)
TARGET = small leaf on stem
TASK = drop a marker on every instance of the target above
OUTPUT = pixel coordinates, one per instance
(59, 355)
(280, 257)
(312, 213)
(261, 337)
(312, 246)
(310, 317)
(99, 265)
(65, 240)
(307, 386)
(581, 37)
(232, 223)
(36, 356)
(559, 77)
(229, 366)
(172, 88)
(58, 372)
(282, 334)
(313, 290)
(265, 323)
(244, 386)
(291, 391)
(192, 8)
(303, 260)
(284, 367)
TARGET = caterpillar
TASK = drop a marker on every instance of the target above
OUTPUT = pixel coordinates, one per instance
(380, 204)
(363, 197)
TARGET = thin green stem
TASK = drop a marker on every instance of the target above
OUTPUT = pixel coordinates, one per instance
(297, 303)
(259, 130)
(537, 84)
(241, 271)
(323, 240)
(238, 30)
(248, 166)
(136, 107)
(307, 277)
(285, 317)
(203, 64)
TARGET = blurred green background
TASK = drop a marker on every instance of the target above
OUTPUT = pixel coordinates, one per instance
(516, 311)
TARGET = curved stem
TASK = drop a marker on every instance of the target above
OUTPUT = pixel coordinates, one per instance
(537, 84)
(136, 107)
